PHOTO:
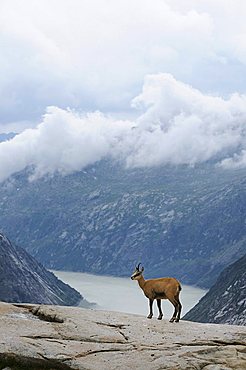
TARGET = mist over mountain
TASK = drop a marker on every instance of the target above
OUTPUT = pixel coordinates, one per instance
(225, 302)
(23, 279)
(180, 221)
(175, 124)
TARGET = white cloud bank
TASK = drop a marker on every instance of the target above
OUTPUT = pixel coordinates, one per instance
(179, 125)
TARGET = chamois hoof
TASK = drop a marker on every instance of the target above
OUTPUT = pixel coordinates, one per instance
(149, 317)
(159, 318)
(177, 320)
(172, 319)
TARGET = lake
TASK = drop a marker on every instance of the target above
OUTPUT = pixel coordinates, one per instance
(123, 294)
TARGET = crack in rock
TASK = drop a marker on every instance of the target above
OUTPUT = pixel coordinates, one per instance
(117, 326)
(124, 336)
(64, 339)
(92, 352)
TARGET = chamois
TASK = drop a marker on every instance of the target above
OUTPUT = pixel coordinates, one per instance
(162, 288)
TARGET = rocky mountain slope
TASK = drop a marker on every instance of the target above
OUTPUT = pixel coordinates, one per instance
(75, 338)
(225, 302)
(186, 222)
(23, 279)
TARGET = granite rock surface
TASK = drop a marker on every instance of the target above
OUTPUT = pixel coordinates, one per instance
(56, 337)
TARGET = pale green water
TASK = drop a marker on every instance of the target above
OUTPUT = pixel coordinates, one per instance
(123, 294)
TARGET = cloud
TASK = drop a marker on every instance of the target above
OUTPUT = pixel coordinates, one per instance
(183, 126)
(236, 161)
(94, 54)
(177, 124)
(63, 142)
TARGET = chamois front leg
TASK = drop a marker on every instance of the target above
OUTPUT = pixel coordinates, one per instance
(150, 309)
(159, 307)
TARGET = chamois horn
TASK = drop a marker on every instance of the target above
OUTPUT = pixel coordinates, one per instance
(137, 267)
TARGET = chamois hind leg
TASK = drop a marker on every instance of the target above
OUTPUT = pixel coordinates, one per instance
(159, 307)
(176, 309)
(150, 309)
(179, 309)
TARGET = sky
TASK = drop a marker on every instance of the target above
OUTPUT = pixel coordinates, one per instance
(149, 82)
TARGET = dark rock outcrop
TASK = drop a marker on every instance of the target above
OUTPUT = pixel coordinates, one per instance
(225, 302)
(23, 279)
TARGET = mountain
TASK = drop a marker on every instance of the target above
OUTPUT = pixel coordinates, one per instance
(23, 279)
(225, 302)
(178, 221)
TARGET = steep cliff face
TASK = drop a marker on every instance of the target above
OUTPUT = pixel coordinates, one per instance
(23, 279)
(225, 302)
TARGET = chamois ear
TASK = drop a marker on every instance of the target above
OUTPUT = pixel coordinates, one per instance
(142, 269)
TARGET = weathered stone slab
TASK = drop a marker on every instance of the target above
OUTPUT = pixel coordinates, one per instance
(53, 337)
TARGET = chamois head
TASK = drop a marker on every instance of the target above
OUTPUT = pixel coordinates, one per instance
(137, 273)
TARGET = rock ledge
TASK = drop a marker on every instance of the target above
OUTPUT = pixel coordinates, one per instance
(55, 337)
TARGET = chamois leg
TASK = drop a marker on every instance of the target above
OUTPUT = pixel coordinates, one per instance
(176, 309)
(179, 311)
(159, 307)
(150, 309)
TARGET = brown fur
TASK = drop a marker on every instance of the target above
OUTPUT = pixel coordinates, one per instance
(161, 288)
